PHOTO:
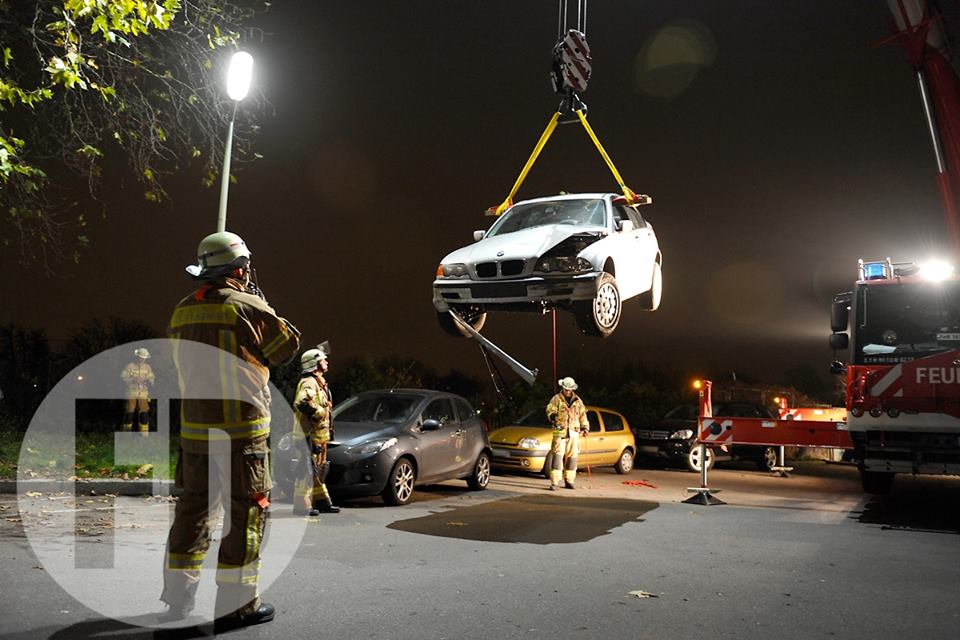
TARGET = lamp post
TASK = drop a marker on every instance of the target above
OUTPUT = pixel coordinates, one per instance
(238, 84)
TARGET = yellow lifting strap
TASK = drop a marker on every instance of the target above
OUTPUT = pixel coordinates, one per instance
(632, 198)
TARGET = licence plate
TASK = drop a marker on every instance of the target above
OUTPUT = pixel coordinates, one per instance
(500, 453)
(646, 449)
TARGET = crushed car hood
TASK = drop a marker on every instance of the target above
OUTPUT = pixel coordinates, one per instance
(524, 244)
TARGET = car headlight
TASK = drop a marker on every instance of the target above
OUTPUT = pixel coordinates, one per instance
(564, 264)
(683, 434)
(376, 446)
(529, 443)
(455, 270)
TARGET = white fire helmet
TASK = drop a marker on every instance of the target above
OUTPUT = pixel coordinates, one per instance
(568, 383)
(311, 358)
(141, 353)
(219, 254)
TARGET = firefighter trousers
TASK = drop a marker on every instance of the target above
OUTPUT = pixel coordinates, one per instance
(310, 489)
(139, 407)
(564, 453)
(240, 482)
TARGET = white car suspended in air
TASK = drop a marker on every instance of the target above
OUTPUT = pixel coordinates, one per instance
(584, 253)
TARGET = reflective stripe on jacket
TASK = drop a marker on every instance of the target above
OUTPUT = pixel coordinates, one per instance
(222, 314)
(567, 416)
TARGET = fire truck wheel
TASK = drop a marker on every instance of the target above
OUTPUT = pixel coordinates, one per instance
(473, 315)
(693, 458)
(876, 482)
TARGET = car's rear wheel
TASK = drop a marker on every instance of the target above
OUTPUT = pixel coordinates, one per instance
(769, 458)
(693, 458)
(599, 317)
(475, 316)
(650, 299)
(625, 462)
(480, 477)
(399, 487)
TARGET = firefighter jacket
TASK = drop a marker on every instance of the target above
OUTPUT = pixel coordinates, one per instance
(138, 376)
(567, 416)
(231, 394)
(313, 404)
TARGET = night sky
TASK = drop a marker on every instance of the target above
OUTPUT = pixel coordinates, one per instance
(778, 143)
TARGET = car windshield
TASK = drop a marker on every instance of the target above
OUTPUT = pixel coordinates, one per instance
(683, 412)
(386, 408)
(902, 322)
(536, 418)
(538, 214)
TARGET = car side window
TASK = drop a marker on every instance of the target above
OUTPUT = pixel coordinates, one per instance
(594, 421)
(464, 409)
(629, 213)
(612, 422)
(440, 410)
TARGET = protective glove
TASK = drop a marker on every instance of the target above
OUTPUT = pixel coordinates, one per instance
(316, 449)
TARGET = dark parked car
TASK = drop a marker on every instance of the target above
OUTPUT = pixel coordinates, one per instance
(392, 440)
(674, 437)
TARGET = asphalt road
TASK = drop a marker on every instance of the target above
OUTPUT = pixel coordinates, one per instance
(799, 557)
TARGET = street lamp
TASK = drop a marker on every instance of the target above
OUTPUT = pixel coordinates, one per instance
(238, 84)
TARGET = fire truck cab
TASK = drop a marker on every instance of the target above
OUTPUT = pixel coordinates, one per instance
(902, 371)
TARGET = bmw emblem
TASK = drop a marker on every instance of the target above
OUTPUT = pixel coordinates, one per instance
(499, 254)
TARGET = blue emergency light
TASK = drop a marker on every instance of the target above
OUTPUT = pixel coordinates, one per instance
(874, 271)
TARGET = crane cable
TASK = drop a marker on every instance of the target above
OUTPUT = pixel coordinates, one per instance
(573, 104)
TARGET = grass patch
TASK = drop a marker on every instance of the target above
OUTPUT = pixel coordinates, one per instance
(93, 457)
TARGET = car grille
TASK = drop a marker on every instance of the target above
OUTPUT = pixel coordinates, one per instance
(486, 269)
(506, 268)
(651, 434)
(511, 267)
(499, 290)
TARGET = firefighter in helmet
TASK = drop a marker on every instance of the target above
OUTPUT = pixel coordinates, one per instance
(227, 311)
(568, 416)
(138, 376)
(313, 404)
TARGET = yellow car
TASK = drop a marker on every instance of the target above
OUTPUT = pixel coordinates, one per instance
(524, 446)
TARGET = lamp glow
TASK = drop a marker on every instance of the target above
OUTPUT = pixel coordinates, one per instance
(239, 75)
(936, 270)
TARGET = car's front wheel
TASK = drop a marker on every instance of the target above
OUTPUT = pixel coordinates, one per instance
(599, 317)
(473, 315)
(693, 460)
(624, 462)
(480, 477)
(399, 487)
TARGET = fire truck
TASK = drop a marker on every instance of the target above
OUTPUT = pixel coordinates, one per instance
(901, 326)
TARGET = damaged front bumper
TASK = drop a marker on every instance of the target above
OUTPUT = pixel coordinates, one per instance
(513, 293)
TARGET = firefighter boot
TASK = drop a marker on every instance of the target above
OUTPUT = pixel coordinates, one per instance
(555, 475)
(181, 610)
(264, 613)
(323, 504)
(127, 421)
(144, 423)
(568, 478)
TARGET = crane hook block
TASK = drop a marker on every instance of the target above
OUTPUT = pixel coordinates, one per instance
(572, 63)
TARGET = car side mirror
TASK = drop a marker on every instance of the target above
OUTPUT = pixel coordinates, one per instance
(626, 226)
(430, 424)
(478, 235)
(839, 341)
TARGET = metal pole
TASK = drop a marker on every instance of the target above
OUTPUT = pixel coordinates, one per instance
(931, 121)
(225, 176)
(553, 313)
(703, 465)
